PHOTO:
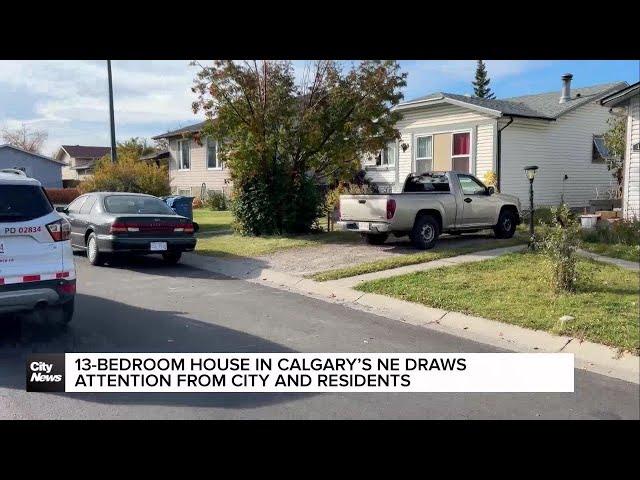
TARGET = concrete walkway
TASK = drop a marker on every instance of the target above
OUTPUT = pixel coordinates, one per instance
(635, 266)
(419, 267)
(588, 356)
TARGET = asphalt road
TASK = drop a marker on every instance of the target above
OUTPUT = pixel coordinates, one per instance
(146, 306)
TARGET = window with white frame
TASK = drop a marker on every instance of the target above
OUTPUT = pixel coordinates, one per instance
(184, 191)
(460, 152)
(184, 154)
(213, 162)
(424, 154)
(387, 156)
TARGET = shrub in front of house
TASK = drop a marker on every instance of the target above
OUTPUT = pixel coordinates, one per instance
(216, 201)
(128, 175)
(626, 232)
(62, 196)
(560, 244)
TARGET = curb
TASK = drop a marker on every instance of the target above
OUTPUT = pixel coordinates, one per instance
(588, 356)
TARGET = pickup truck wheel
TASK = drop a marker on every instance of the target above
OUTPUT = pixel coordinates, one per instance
(375, 238)
(506, 225)
(425, 232)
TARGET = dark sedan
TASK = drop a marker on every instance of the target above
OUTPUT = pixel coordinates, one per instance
(109, 223)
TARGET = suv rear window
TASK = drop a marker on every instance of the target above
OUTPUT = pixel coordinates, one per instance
(20, 203)
(134, 204)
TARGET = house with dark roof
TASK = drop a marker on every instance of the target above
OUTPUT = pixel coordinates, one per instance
(194, 164)
(626, 102)
(79, 161)
(44, 169)
(557, 131)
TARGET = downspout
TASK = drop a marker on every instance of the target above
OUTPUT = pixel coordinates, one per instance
(499, 154)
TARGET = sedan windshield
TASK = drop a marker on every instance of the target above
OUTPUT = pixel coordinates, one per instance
(134, 204)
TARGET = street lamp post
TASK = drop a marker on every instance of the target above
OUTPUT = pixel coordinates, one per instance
(114, 154)
(531, 174)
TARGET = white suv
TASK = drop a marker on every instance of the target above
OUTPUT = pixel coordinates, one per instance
(37, 270)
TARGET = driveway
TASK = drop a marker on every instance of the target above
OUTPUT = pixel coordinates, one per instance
(302, 261)
(149, 307)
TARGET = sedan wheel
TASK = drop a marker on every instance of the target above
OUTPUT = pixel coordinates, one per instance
(93, 253)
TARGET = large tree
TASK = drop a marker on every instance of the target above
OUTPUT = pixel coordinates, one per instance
(615, 141)
(481, 83)
(25, 138)
(135, 148)
(280, 137)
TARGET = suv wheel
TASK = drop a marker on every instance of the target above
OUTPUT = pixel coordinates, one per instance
(425, 232)
(506, 225)
(93, 252)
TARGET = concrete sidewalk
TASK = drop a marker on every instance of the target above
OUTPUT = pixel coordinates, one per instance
(635, 266)
(588, 356)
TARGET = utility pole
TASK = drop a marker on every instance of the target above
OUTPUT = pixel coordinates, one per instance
(114, 155)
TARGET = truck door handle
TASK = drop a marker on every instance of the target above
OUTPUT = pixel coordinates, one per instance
(468, 200)
(362, 201)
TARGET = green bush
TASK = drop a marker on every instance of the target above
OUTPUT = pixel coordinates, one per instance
(277, 205)
(626, 232)
(559, 244)
(128, 175)
(217, 201)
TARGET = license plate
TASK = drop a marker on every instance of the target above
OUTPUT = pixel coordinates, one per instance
(158, 246)
(363, 226)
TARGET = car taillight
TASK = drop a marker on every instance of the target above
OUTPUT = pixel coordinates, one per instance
(60, 230)
(118, 227)
(186, 228)
(391, 208)
(66, 288)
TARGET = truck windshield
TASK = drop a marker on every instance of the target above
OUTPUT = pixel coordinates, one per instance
(427, 183)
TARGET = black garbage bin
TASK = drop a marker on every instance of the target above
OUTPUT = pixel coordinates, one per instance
(181, 205)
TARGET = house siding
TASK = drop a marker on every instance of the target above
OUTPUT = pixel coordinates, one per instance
(435, 119)
(198, 173)
(48, 173)
(557, 148)
(631, 188)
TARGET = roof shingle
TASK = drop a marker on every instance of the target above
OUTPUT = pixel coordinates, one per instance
(86, 151)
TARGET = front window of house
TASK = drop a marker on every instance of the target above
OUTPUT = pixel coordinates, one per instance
(184, 154)
(460, 152)
(424, 154)
(387, 156)
(213, 162)
(599, 150)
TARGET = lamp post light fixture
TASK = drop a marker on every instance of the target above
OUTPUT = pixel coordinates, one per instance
(531, 175)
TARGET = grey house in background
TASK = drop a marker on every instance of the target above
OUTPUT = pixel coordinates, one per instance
(47, 170)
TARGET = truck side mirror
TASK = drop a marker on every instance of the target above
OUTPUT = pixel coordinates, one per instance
(491, 190)
(62, 209)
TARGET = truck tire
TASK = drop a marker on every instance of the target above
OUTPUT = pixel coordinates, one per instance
(425, 232)
(506, 226)
(93, 252)
(375, 238)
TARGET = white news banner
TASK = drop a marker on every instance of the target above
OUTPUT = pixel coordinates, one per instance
(318, 372)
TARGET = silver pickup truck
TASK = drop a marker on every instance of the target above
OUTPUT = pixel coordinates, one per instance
(430, 204)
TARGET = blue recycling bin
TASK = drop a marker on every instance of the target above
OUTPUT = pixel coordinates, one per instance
(181, 205)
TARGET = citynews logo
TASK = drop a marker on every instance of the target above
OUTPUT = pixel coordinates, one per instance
(45, 372)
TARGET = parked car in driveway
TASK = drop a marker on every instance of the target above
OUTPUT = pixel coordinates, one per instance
(430, 204)
(111, 223)
(37, 271)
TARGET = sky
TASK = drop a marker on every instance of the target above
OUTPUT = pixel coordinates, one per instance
(69, 99)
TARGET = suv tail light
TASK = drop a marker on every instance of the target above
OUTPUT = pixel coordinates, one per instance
(60, 230)
(391, 208)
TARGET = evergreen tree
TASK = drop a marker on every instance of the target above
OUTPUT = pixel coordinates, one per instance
(481, 84)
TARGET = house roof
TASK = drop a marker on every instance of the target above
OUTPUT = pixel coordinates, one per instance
(621, 95)
(6, 145)
(86, 151)
(543, 105)
(196, 127)
(155, 155)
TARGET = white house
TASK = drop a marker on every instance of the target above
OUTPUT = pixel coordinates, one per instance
(557, 131)
(629, 99)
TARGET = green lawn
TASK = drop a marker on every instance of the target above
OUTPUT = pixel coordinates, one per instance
(409, 259)
(615, 250)
(211, 220)
(515, 289)
(240, 246)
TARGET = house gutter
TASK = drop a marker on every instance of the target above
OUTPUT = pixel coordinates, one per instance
(499, 153)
